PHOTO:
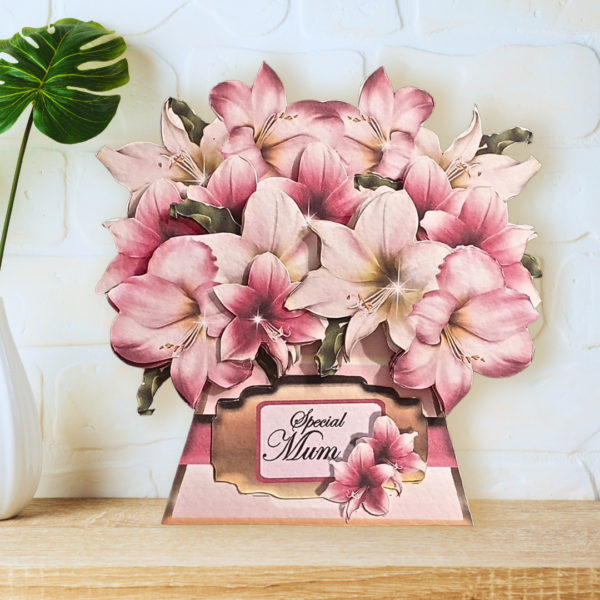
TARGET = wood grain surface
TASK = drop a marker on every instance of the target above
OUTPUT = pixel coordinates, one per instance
(117, 549)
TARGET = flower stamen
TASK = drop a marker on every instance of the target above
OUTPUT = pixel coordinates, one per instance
(456, 349)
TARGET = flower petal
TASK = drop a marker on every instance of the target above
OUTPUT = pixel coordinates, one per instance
(508, 245)
(240, 300)
(152, 301)
(232, 184)
(345, 474)
(233, 256)
(379, 475)
(362, 324)
(377, 99)
(432, 314)
(418, 265)
(327, 295)
(232, 101)
(269, 277)
(500, 359)
(119, 269)
(446, 228)
(241, 340)
(415, 368)
(412, 107)
(214, 137)
(132, 238)
(427, 143)
(385, 430)
(465, 146)
(185, 261)
(518, 278)
(336, 491)
(396, 156)
(144, 346)
(344, 253)
(304, 329)
(273, 223)
(354, 502)
(268, 96)
(496, 315)
(241, 143)
(376, 501)
(426, 184)
(361, 458)
(321, 170)
(342, 204)
(386, 225)
(483, 212)
(468, 272)
(453, 377)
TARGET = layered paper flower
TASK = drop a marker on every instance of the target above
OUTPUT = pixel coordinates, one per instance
(323, 191)
(374, 273)
(380, 135)
(472, 323)
(139, 164)
(169, 315)
(359, 482)
(139, 236)
(267, 131)
(390, 447)
(479, 217)
(465, 169)
(261, 318)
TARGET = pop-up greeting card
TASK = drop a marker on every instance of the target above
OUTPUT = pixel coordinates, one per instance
(319, 281)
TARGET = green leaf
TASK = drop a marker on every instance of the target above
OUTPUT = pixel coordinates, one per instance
(532, 265)
(328, 353)
(153, 379)
(372, 181)
(50, 76)
(214, 219)
(497, 143)
(265, 361)
(193, 124)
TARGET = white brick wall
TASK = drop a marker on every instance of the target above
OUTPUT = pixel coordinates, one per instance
(532, 63)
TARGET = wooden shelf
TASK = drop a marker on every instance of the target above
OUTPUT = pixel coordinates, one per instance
(116, 548)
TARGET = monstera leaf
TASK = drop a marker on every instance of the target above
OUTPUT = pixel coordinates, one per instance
(52, 74)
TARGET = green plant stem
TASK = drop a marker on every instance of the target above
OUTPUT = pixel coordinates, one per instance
(13, 191)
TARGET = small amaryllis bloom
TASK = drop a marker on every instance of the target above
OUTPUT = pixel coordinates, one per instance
(170, 315)
(380, 135)
(139, 236)
(230, 186)
(272, 222)
(479, 217)
(265, 130)
(359, 482)
(472, 323)
(391, 447)
(464, 169)
(261, 318)
(139, 164)
(323, 190)
(373, 273)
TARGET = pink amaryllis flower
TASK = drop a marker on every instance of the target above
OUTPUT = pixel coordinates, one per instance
(261, 318)
(359, 482)
(380, 135)
(323, 190)
(139, 164)
(230, 186)
(464, 169)
(267, 131)
(479, 217)
(373, 273)
(272, 222)
(139, 236)
(169, 315)
(472, 323)
(393, 448)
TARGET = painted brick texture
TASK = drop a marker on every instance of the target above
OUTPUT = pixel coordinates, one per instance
(532, 63)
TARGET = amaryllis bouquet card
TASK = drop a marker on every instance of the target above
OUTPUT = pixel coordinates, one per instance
(319, 281)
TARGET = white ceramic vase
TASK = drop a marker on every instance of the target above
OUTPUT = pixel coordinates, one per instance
(20, 429)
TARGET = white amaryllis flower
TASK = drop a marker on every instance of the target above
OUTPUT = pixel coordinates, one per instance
(465, 169)
(373, 273)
